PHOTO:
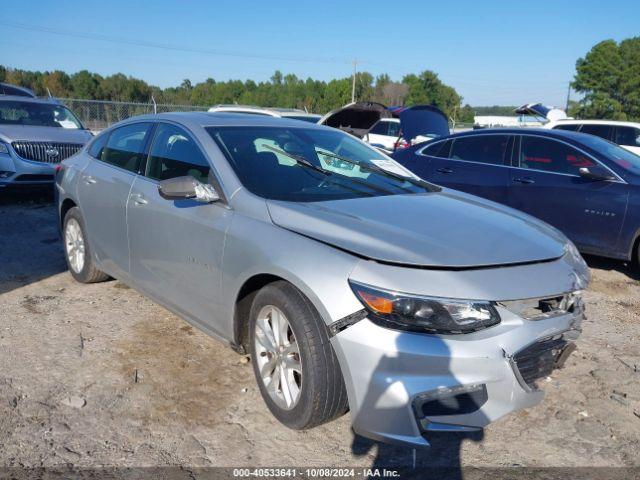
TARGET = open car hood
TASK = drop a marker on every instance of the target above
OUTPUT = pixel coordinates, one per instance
(542, 111)
(356, 118)
(446, 229)
(422, 120)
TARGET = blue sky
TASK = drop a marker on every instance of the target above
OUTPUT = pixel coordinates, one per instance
(492, 52)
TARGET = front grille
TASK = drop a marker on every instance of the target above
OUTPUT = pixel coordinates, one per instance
(46, 152)
(539, 359)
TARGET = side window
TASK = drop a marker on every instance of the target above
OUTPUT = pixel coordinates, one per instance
(481, 148)
(551, 156)
(175, 154)
(573, 127)
(438, 149)
(394, 129)
(629, 136)
(125, 147)
(602, 131)
(97, 146)
(380, 128)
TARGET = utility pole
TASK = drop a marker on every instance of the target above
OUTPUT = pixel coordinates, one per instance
(568, 97)
(353, 81)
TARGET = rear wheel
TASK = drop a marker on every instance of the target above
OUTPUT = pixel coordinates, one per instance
(295, 366)
(77, 251)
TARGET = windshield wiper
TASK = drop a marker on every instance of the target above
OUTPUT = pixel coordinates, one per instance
(375, 168)
(300, 160)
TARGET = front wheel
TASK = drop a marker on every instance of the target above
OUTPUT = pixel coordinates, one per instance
(295, 366)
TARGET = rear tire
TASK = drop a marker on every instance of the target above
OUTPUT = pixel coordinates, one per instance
(295, 366)
(77, 251)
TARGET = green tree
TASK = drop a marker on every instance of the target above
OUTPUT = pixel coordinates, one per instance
(609, 78)
(427, 89)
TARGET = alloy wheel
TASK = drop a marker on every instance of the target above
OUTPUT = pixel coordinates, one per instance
(74, 245)
(278, 357)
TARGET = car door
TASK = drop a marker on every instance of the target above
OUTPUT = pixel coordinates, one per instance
(177, 246)
(545, 182)
(475, 164)
(103, 191)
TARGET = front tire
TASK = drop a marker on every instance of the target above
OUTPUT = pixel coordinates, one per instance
(77, 250)
(294, 364)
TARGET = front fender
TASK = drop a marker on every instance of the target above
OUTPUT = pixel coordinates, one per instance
(255, 247)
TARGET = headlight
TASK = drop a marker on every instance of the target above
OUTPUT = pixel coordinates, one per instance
(425, 314)
(4, 150)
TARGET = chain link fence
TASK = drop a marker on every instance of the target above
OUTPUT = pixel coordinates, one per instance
(97, 115)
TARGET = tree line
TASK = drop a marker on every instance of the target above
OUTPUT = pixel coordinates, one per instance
(607, 77)
(281, 90)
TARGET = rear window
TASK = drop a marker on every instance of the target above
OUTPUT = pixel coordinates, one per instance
(125, 146)
(489, 149)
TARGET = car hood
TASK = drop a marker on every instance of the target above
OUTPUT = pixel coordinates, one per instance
(356, 118)
(423, 120)
(12, 133)
(541, 111)
(446, 229)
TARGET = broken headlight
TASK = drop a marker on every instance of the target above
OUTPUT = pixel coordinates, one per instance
(425, 314)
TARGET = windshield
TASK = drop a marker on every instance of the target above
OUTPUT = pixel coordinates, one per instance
(620, 156)
(37, 114)
(303, 165)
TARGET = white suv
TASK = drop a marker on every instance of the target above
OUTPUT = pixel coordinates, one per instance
(625, 134)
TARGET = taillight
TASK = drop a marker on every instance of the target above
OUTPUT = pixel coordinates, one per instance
(401, 143)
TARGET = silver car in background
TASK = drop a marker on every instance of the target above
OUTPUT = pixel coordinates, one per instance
(35, 135)
(352, 284)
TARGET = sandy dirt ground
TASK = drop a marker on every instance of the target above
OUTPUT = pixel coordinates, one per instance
(95, 375)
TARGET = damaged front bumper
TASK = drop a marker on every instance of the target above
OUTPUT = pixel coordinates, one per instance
(402, 384)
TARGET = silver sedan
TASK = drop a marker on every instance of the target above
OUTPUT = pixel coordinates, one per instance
(352, 284)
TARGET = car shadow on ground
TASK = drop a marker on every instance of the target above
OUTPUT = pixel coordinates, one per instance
(441, 460)
(30, 246)
(625, 268)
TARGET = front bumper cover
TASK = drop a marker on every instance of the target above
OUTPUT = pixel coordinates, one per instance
(402, 384)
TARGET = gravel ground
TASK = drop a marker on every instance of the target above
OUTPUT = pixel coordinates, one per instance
(97, 375)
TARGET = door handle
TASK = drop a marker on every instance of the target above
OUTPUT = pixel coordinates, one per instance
(89, 180)
(444, 170)
(139, 199)
(525, 180)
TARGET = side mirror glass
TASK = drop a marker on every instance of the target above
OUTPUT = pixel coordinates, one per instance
(596, 174)
(183, 188)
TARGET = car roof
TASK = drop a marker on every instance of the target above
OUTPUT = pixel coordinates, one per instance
(594, 122)
(19, 98)
(16, 90)
(545, 132)
(224, 119)
(571, 137)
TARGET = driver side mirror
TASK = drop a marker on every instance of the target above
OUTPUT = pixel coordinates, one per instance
(596, 174)
(183, 188)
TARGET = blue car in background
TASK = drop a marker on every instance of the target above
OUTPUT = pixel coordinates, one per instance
(587, 187)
